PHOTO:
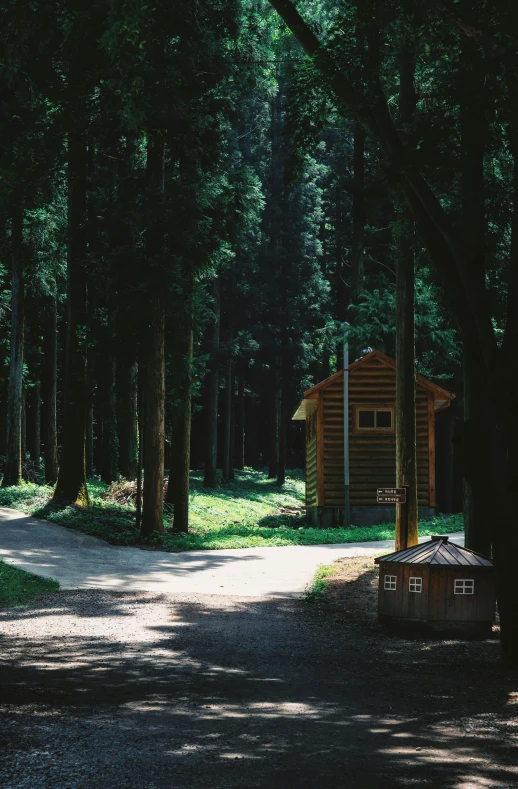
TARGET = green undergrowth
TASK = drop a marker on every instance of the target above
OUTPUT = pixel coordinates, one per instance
(248, 512)
(17, 586)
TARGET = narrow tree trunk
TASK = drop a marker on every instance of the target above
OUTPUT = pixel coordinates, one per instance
(358, 213)
(227, 422)
(140, 453)
(89, 440)
(109, 447)
(406, 451)
(210, 479)
(50, 387)
(178, 485)
(274, 391)
(153, 457)
(283, 421)
(13, 460)
(71, 483)
(35, 445)
(241, 415)
(127, 377)
(406, 458)
(473, 142)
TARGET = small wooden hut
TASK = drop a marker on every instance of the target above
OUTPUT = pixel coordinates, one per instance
(437, 586)
(372, 442)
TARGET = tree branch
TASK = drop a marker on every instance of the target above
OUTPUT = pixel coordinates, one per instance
(468, 303)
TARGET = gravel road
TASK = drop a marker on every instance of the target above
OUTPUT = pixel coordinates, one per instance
(134, 690)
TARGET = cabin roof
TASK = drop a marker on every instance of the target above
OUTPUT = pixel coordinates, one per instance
(438, 550)
(442, 397)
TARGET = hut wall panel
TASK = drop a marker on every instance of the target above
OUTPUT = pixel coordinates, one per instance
(444, 605)
(311, 460)
(372, 455)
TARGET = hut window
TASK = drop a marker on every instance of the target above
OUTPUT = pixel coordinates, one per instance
(390, 582)
(415, 584)
(464, 586)
(375, 419)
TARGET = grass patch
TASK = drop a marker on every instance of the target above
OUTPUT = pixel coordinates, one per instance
(316, 592)
(17, 586)
(250, 511)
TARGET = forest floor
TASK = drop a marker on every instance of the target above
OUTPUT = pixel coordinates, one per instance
(251, 511)
(137, 690)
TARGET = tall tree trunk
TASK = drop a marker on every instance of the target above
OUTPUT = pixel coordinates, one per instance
(228, 459)
(358, 213)
(241, 416)
(127, 378)
(13, 460)
(106, 387)
(153, 455)
(406, 451)
(50, 388)
(35, 433)
(274, 398)
(210, 479)
(227, 465)
(283, 419)
(505, 534)
(24, 427)
(71, 483)
(178, 485)
(89, 451)
(473, 124)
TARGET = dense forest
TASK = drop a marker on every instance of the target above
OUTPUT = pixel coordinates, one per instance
(201, 199)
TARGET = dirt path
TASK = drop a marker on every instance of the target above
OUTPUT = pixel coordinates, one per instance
(142, 691)
(79, 561)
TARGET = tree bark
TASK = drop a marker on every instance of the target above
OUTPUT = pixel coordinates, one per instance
(358, 213)
(406, 451)
(13, 460)
(473, 125)
(154, 427)
(178, 485)
(50, 388)
(127, 380)
(109, 440)
(35, 434)
(273, 394)
(241, 416)
(210, 480)
(71, 482)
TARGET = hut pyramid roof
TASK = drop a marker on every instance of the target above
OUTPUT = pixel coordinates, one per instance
(438, 550)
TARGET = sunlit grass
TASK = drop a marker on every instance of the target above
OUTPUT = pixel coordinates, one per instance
(17, 586)
(250, 511)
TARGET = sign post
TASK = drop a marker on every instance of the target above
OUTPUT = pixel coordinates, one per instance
(397, 496)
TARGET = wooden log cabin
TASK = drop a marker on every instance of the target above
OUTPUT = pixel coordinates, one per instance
(372, 442)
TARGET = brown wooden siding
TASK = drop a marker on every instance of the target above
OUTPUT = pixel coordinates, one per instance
(311, 460)
(372, 454)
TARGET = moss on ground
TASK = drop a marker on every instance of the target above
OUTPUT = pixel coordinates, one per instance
(250, 511)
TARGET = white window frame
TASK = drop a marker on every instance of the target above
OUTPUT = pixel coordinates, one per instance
(464, 586)
(415, 584)
(390, 583)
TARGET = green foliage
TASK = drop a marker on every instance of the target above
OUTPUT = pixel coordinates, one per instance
(18, 587)
(250, 512)
(318, 587)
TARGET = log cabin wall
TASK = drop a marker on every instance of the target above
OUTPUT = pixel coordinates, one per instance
(311, 461)
(372, 452)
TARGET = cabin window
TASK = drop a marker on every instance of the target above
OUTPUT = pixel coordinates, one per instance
(415, 584)
(390, 583)
(464, 586)
(375, 419)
